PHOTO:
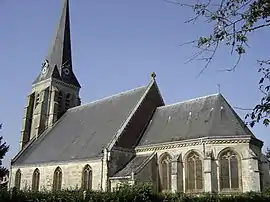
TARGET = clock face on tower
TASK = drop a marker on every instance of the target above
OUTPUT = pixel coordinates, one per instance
(45, 66)
(65, 68)
(66, 71)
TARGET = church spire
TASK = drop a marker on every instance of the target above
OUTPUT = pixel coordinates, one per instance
(58, 63)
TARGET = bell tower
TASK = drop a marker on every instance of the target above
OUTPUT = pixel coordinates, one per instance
(56, 88)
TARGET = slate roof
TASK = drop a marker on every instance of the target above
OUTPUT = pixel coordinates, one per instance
(133, 165)
(59, 57)
(200, 117)
(83, 131)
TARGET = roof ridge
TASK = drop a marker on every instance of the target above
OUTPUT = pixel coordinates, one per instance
(189, 100)
(107, 97)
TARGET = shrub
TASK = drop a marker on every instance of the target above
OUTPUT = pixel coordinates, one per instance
(126, 193)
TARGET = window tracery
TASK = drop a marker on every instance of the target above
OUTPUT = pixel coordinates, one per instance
(229, 170)
(194, 172)
(165, 165)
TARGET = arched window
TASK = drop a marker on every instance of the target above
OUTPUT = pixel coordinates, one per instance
(87, 178)
(35, 180)
(57, 179)
(18, 177)
(194, 173)
(165, 166)
(229, 170)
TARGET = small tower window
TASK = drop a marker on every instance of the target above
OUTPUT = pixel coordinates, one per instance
(67, 101)
(37, 100)
(59, 100)
(60, 97)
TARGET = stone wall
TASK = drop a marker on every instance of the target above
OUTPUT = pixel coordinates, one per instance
(209, 152)
(148, 173)
(71, 174)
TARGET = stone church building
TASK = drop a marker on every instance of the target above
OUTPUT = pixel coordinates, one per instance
(198, 145)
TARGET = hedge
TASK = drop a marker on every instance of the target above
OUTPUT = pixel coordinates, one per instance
(139, 193)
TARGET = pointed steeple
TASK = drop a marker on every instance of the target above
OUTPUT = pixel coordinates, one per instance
(58, 63)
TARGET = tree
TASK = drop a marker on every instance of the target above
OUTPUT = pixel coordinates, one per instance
(3, 150)
(232, 23)
(267, 153)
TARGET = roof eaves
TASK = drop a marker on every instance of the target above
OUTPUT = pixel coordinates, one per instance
(96, 158)
(146, 161)
(120, 177)
(30, 143)
(21, 152)
(205, 138)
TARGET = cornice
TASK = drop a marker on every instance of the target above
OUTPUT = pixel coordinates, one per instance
(121, 149)
(194, 142)
(65, 84)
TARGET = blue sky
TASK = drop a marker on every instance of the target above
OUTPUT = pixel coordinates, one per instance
(116, 45)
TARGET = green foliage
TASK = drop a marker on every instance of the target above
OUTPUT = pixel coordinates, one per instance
(3, 150)
(267, 153)
(126, 193)
(262, 110)
(233, 22)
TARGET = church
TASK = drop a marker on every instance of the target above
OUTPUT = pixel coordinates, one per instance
(193, 146)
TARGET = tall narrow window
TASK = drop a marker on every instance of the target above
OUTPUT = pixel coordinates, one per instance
(67, 101)
(165, 166)
(87, 178)
(194, 173)
(229, 171)
(59, 100)
(18, 177)
(37, 99)
(35, 180)
(57, 179)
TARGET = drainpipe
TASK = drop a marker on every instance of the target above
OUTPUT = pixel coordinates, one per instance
(101, 187)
